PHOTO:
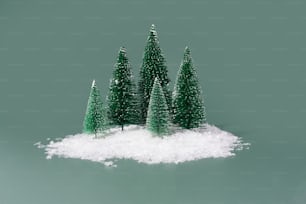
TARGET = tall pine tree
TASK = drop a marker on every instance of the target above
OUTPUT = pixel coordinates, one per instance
(94, 120)
(158, 113)
(188, 104)
(153, 65)
(122, 102)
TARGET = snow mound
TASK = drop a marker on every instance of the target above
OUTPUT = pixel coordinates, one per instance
(138, 144)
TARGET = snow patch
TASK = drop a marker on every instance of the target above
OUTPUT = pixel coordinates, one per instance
(139, 144)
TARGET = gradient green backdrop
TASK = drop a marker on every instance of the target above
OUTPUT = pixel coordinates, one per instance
(250, 57)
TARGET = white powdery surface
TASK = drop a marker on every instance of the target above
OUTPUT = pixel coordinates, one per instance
(138, 144)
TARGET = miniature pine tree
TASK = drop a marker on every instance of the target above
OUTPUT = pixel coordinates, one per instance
(94, 120)
(158, 113)
(153, 65)
(122, 106)
(188, 105)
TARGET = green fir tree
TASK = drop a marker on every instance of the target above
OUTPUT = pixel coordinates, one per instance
(94, 121)
(153, 65)
(188, 104)
(122, 101)
(158, 113)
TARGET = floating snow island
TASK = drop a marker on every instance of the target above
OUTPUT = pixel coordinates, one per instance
(138, 144)
(171, 125)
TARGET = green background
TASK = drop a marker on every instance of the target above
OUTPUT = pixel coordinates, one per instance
(250, 57)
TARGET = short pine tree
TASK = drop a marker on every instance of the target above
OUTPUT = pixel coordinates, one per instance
(94, 120)
(158, 114)
(122, 103)
(153, 65)
(188, 105)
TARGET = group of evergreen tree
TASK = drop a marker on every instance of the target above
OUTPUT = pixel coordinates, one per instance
(149, 102)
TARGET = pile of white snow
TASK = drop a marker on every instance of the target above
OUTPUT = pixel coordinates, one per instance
(138, 144)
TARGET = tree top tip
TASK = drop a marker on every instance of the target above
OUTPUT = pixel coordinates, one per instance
(122, 49)
(93, 83)
(156, 80)
(152, 30)
(187, 50)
